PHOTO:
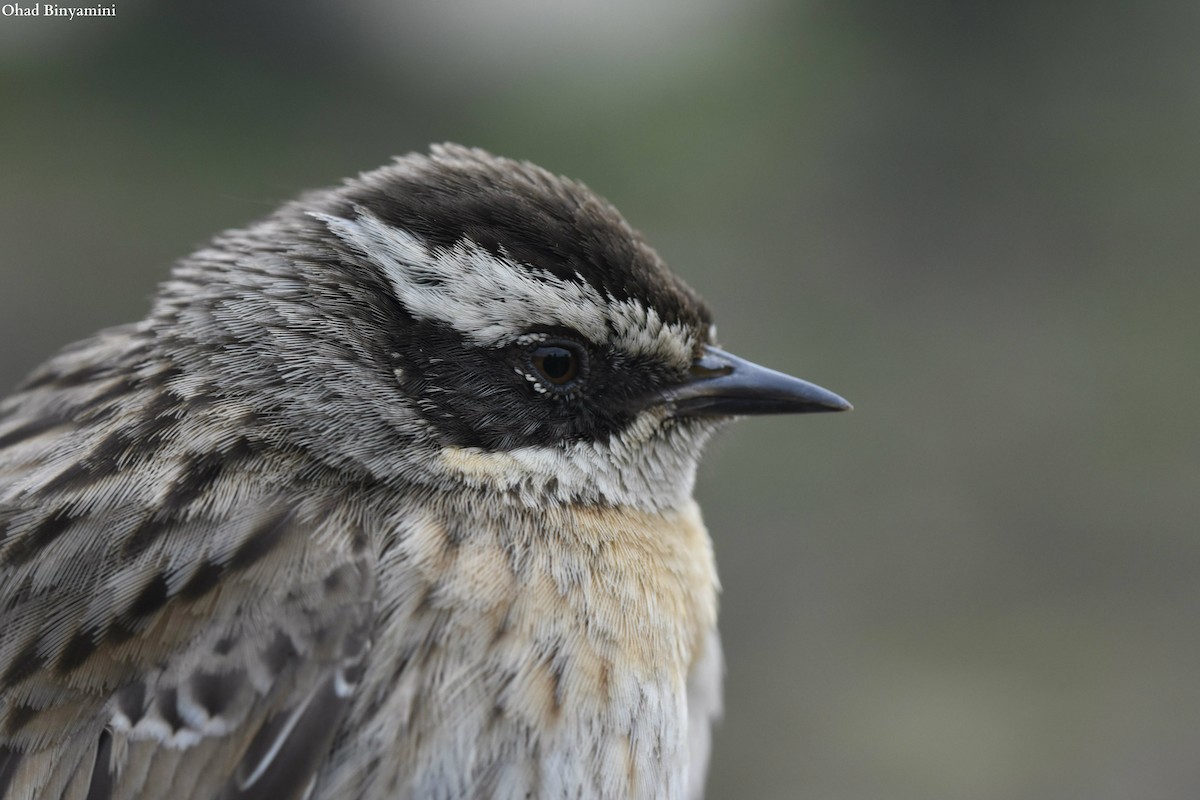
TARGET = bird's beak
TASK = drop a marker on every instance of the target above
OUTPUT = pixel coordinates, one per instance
(720, 384)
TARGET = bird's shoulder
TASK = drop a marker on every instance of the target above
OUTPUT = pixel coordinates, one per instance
(172, 612)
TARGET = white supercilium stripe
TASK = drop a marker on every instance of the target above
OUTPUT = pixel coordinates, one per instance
(493, 301)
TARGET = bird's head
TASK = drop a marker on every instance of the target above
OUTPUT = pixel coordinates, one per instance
(460, 320)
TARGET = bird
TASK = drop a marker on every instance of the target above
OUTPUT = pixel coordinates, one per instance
(389, 496)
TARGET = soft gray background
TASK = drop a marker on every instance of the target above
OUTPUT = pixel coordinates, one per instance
(977, 221)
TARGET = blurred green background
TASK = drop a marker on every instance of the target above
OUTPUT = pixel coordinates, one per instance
(977, 221)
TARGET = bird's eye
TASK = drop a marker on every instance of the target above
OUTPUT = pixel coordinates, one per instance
(557, 364)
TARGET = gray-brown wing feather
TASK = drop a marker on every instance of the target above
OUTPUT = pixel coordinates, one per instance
(243, 706)
(176, 619)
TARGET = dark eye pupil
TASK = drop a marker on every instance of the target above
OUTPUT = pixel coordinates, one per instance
(557, 364)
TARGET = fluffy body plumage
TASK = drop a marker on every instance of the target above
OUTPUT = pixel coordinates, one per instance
(318, 527)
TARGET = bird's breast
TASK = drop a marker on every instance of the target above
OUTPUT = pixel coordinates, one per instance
(546, 652)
